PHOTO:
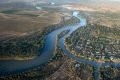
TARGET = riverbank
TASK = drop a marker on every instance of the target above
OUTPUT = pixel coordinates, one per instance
(18, 58)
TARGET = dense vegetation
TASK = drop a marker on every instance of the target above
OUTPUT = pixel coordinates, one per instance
(13, 11)
(9, 11)
(29, 45)
(95, 42)
(62, 34)
(29, 15)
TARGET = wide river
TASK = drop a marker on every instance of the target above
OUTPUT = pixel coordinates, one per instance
(12, 66)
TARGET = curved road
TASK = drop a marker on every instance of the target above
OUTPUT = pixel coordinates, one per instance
(12, 66)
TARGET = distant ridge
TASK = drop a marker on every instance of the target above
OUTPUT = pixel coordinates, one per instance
(31, 3)
(61, 1)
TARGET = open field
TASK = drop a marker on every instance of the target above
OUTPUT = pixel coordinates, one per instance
(24, 23)
(109, 19)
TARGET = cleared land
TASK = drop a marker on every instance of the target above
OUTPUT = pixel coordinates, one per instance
(109, 19)
(23, 22)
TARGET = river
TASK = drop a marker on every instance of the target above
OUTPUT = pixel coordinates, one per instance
(11, 66)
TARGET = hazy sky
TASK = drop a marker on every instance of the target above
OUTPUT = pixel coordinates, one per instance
(55, 0)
